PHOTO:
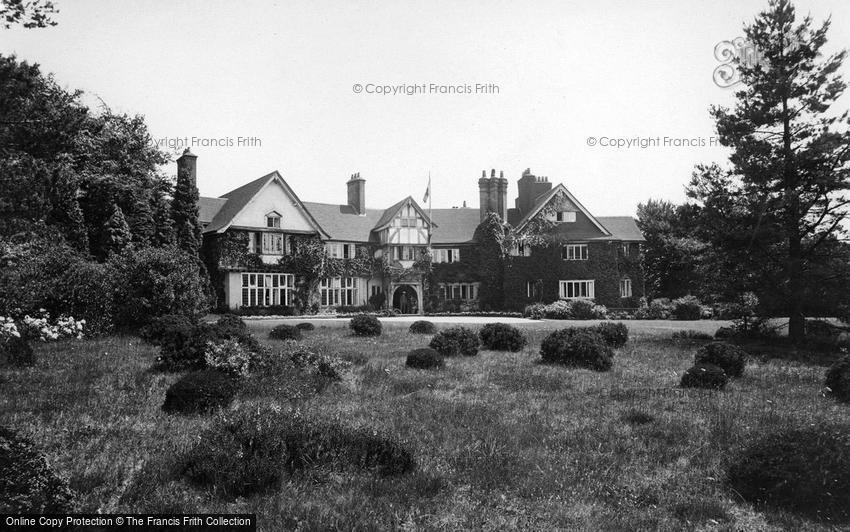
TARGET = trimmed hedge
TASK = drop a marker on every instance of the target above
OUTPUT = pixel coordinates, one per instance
(730, 358)
(614, 334)
(422, 327)
(424, 358)
(804, 471)
(16, 352)
(577, 347)
(706, 376)
(285, 332)
(365, 325)
(28, 484)
(502, 337)
(455, 341)
(200, 391)
(306, 326)
(838, 380)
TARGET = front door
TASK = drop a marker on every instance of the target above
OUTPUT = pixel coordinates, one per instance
(406, 300)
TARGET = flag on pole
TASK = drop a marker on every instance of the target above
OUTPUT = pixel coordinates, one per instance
(427, 192)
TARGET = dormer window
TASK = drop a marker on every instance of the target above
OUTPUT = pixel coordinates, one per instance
(565, 216)
(273, 220)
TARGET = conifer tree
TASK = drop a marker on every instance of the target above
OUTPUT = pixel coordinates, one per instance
(116, 234)
(184, 213)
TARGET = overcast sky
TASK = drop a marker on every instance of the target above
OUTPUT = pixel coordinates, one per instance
(284, 73)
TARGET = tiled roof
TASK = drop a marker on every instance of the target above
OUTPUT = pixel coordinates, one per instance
(342, 222)
(389, 213)
(454, 226)
(208, 208)
(236, 200)
(621, 227)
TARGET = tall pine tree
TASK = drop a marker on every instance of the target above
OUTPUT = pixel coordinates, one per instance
(790, 156)
(116, 234)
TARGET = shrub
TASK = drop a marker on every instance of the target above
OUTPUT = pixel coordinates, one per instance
(502, 337)
(578, 348)
(247, 452)
(365, 325)
(424, 358)
(582, 309)
(354, 309)
(422, 327)
(16, 351)
(724, 332)
(537, 311)
(328, 366)
(232, 324)
(455, 341)
(838, 380)
(285, 332)
(305, 326)
(229, 356)
(658, 309)
(805, 471)
(162, 328)
(691, 334)
(730, 358)
(271, 310)
(613, 334)
(200, 391)
(152, 282)
(28, 484)
(558, 310)
(704, 376)
(186, 349)
(687, 308)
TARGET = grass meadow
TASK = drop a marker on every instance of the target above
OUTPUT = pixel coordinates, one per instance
(500, 440)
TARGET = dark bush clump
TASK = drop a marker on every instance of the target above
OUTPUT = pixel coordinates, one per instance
(306, 326)
(455, 341)
(200, 391)
(185, 348)
(365, 325)
(502, 337)
(424, 358)
(161, 329)
(687, 308)
(805, 471)
(725, 332)
(16, 352)
(285, 332)
(328, 366)
(613, 334)
(231, 325)
(704, 376)
(691, 335)
(28, 484)
(838, 380)
(730, 358)
(581, 348)
(422, 327)
(248, 452)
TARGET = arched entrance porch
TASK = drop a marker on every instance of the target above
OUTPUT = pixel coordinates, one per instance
(407, 299)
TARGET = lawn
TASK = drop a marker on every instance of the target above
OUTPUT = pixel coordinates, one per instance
(500, 440)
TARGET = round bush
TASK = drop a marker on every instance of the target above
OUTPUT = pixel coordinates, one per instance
(577, 348)
(186, 349)
(724, 332)
(306, 326)
(732, 359)
(838, 380)
(285, 332)
(232, 325)
(424, 358)
(502, 337)
(365, 325)
(455, 341)
(687, 308)
(162, 328)
(200, 391)
(28, 484)
(422, 327)
(613, 334)
(804, 471)
(706, 376)
(16, 351)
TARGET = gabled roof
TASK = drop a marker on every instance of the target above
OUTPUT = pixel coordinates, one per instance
(543, 199)
(237, 199)
(454, 226)
(390, 213)
(341, 222)
(622, 228)
(208, 208)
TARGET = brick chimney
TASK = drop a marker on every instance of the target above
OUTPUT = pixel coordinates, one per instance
(357, 193)
(530, 187)
(493, 194)
(188, 162)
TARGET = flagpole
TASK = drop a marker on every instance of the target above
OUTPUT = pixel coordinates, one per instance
(430, 222)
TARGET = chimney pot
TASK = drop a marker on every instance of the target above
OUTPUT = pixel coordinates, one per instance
(357, 193)
(492, 172)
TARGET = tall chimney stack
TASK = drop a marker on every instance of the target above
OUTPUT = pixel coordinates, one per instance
(493, 194)
(357, 193)
(188, 163)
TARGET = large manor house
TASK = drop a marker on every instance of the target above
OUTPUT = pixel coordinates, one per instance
(584, 256)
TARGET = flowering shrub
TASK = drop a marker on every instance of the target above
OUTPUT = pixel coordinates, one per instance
(8, 329)
(39, 327)
(537, 311)
(229, 356)
(558, 310)
(324, 364)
